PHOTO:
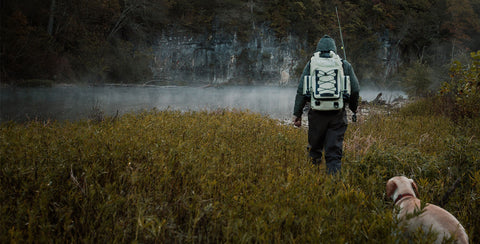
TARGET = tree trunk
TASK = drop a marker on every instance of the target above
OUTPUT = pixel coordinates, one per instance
(50, 19)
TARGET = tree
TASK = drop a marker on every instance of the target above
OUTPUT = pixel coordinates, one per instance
(51, 18)
(463, 22)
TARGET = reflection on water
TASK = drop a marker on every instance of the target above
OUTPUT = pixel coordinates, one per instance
(73, 103)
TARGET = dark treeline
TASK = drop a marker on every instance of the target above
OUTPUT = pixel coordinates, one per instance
(66, 41)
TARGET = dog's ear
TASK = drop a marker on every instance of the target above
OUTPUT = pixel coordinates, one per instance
(415, 188)
(391, 187)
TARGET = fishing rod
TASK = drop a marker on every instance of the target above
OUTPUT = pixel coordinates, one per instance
(354, 116)
(341, 36)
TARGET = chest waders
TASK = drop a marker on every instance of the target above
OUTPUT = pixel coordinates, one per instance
(325, 132)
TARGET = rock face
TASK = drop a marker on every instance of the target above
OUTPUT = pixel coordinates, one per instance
(221, 57)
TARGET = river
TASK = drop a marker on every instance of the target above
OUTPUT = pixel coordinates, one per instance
(73, 102)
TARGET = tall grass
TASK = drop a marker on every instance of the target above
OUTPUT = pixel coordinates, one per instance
(225, 176)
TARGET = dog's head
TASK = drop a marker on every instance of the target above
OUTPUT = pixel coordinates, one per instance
(401, 185)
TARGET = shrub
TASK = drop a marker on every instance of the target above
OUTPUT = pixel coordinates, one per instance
(462, 92)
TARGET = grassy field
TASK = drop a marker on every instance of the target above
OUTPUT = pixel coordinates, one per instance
(228, 176)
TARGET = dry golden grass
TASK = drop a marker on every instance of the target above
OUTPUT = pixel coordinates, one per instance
(224, 176)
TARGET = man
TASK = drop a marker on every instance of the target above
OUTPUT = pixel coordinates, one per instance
(326, 128)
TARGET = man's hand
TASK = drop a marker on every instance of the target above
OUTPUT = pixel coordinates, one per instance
(297, 121)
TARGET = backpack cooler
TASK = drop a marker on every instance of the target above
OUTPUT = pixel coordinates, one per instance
(327, 84)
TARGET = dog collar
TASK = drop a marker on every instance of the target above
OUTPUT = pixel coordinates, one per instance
(402, 196)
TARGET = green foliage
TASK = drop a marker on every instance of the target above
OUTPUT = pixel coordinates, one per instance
(462, 92)
(224, 176)
(287, 16)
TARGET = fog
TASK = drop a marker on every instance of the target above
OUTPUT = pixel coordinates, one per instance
(74, 103)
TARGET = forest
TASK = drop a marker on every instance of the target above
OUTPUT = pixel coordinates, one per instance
(387, 41)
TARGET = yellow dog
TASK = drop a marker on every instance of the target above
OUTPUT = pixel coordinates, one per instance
(404, 193)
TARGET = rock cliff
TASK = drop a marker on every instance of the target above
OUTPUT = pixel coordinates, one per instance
(221, 57)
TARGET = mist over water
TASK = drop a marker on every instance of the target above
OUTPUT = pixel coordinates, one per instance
(74, 103)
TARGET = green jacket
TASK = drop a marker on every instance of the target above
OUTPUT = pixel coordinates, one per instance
(326, 44)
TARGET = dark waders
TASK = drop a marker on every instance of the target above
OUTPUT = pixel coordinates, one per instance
(325, 131)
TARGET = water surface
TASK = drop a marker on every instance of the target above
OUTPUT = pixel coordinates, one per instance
(74, 103)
